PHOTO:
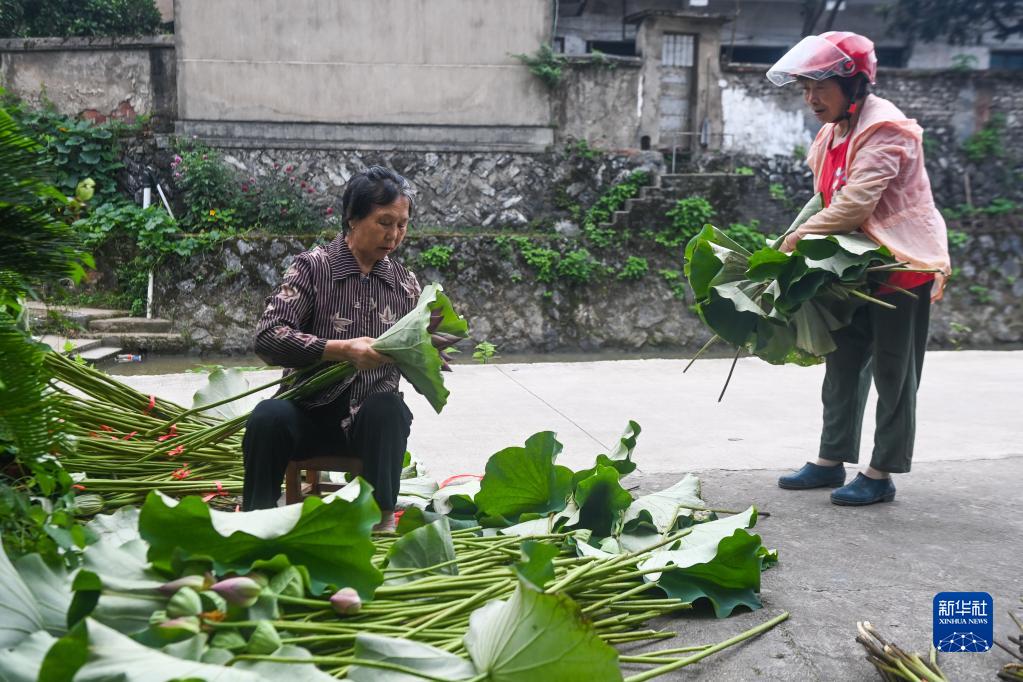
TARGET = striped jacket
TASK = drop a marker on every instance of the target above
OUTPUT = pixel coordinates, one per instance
(324, 295)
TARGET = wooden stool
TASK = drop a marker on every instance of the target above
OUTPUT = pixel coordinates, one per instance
(295, 491)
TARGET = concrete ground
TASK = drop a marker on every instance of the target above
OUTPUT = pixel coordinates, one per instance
(956, 524)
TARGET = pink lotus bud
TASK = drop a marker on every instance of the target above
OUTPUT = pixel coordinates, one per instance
(240, 591)
(196, 582)
(346, 601)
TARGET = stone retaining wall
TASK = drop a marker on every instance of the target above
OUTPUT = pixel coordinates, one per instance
(215, 299)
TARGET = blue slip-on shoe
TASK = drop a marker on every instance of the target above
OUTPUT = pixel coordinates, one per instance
(864, 490)
(814, 476)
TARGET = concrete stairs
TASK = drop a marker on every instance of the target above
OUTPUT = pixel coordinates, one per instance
(725, 191)
(107, 333)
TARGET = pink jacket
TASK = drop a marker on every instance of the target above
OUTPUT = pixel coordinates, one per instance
(887, 192)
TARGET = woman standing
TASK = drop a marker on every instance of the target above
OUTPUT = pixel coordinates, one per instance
(332, 304)
(868, 163)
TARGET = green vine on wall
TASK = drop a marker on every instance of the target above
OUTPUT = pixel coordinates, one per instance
(545, 64)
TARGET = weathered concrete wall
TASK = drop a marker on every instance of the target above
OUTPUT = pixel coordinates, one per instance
(217, 298)
(951, 106)
(380, 71)
(598, 101)
(98, 77)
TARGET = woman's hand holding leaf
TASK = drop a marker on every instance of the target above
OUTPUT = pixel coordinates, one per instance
(357, 351)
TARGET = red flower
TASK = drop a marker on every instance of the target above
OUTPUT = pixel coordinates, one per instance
(302, 184)
(289, 168)
(182, 473)
(330, 210)
(175, 452)
(78, 486)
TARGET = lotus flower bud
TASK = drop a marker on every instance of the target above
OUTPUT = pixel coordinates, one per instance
(185, 602)
(188, 623)
(264, 639)
(239, 591)
(346, 601)
(195, 582)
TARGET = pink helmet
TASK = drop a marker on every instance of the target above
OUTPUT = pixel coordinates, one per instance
(835, 53)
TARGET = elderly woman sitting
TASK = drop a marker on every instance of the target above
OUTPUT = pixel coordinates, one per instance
(332, 303)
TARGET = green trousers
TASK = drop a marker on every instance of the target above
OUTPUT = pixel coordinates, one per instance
(886, 346)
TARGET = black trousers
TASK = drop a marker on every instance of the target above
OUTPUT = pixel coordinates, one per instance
(886, 346)
(279, 431)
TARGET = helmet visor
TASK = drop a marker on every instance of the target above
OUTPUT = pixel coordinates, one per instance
(812, 57)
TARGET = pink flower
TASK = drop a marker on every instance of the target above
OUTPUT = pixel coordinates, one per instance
(302, 184)
(177, 160)
(330, 210)
(240, 591)
(245, 188)
(276, 166)
(289, 168)
(346, 601)
(177, 175)
(311, 190)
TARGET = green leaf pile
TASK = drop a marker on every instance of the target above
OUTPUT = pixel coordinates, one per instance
(781, 307)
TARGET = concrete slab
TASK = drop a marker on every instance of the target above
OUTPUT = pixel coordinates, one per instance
(953, 526)
(130, 325)
(770, 418)
(60, 343)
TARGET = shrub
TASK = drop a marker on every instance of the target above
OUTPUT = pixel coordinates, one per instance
(987, 142)
(687, 218)
(747, 236)
(217, 196)
(545, 64)
(436, 256)
(634, 268)
(577, 266)
(64, 18)
(541, 259)
(76, 149)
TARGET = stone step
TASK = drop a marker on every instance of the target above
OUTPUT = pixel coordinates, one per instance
(99, 354)
(130, 325)
(38, 311)
(61, 343)
(145, 342)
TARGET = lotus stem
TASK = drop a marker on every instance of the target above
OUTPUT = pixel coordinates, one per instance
(682, 662)
(700, 352)
(730, 370)
(859, 294)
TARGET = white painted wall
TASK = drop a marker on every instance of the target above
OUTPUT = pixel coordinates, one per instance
(756, 125)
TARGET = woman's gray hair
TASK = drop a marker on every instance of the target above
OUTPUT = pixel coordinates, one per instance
(376, 186)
